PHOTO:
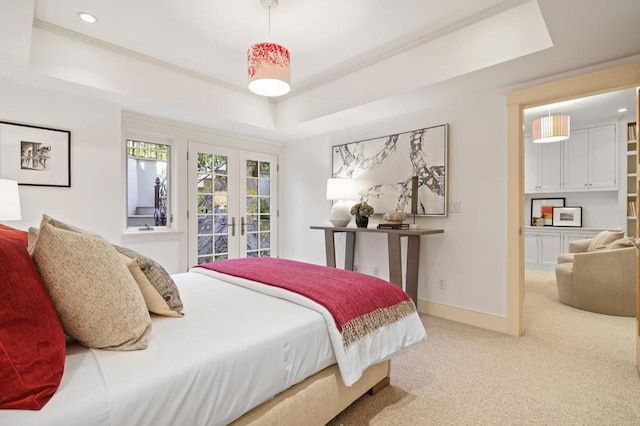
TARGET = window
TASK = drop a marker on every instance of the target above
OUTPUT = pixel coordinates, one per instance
(148, 184)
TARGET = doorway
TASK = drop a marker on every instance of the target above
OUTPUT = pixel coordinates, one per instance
(617, 78)
(232, 203)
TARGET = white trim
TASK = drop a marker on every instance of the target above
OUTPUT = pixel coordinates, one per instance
(484, 320)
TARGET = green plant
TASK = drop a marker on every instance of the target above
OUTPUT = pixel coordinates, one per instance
(362, 209)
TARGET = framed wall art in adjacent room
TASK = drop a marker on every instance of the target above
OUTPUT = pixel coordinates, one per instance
(567, 216)
(34, 155)
(543, 207)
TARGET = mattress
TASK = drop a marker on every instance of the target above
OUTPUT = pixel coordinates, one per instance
(233, 350)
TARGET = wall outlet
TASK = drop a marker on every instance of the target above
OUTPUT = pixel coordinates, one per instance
(376, 272)
(442, 283)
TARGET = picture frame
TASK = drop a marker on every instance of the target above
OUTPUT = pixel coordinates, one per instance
(567, 216)
(543, 207)
(35, 155)
(402, 172)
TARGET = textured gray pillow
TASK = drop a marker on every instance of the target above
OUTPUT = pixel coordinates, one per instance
(97, 299)
(158, 277)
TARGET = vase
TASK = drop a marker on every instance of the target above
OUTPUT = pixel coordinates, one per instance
(362, 221)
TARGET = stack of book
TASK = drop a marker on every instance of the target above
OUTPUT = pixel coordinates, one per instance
(393, 226)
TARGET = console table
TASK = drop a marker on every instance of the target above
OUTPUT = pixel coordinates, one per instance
(394, 249)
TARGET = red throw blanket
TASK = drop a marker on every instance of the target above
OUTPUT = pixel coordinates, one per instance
(358, 303)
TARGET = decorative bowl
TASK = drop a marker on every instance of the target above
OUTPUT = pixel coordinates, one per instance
(395, 216)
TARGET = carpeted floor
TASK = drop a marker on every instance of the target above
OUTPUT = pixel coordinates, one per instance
(572, 367)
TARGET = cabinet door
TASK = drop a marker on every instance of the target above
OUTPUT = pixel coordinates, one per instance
(602, 157)
(531, 248)
(550, 166)
(549, 248)
(531, 166)
(576, 160)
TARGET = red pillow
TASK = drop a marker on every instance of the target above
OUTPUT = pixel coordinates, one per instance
(9, 232)
(32, 343)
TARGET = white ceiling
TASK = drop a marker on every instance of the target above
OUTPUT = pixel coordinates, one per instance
(353, 61)
(212, 36)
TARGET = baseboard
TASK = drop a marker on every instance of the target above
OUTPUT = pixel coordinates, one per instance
(465, 316)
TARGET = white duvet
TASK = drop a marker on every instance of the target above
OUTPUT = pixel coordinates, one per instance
(234, 349)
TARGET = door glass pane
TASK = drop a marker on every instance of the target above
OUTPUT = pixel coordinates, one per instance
(258, 208)
(213, 243)
(252, 186)
(252, 168)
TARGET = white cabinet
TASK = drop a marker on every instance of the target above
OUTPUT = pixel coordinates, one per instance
(589, 159)
(542, 166)
(541, 248)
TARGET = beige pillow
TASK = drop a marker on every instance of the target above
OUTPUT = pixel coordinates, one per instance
(604, 238)
(156, 275)
(95, 295)
(159, 279)
(622, 243)
(154, 301)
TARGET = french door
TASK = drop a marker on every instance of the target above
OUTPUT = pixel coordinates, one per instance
(232, 203)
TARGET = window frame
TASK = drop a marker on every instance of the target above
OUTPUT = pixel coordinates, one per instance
(158, 140)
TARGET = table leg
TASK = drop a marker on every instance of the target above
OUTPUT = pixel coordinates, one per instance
(350, 250)
(330, 248)
(395, 259)
(413, 262)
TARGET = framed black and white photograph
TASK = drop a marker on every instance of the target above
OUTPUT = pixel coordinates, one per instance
(543, 208)
(384, 169)
(567, 216)
(34, 155)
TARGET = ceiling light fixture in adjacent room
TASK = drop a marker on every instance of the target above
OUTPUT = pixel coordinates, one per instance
(87, 17)
(268, 64)
(553, 128)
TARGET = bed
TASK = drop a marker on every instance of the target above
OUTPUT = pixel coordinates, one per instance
(238, 356)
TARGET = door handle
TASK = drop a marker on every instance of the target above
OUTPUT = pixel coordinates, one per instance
(242, 225)
(232, 225)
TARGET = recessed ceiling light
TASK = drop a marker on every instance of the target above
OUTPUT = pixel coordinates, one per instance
(87, 17)
(623, 110)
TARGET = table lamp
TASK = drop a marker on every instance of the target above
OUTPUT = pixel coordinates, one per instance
(9, 200)
(341, 191)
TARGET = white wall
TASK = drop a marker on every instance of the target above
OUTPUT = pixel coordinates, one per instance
(470, 254)
(94, 200)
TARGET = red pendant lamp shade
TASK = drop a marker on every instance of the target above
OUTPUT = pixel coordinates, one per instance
(268, 69)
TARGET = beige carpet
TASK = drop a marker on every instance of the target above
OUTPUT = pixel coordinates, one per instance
(572, 367)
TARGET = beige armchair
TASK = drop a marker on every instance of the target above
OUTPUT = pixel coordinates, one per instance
(602, 281)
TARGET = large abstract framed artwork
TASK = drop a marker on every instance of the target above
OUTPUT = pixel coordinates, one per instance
(34, 155)
(383, 169)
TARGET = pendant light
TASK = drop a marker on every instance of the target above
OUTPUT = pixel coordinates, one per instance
(268, 64)
(553, 128)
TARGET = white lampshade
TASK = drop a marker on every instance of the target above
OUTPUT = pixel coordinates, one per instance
(9, 200)
(553, 128)
(268, 69)
(340, 189)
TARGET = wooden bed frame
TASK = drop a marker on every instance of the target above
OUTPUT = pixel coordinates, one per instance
(317, 399)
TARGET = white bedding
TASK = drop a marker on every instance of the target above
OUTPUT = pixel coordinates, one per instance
(375, 347)
(233, 350)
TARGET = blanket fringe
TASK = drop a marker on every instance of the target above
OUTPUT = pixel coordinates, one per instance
(359, 327)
